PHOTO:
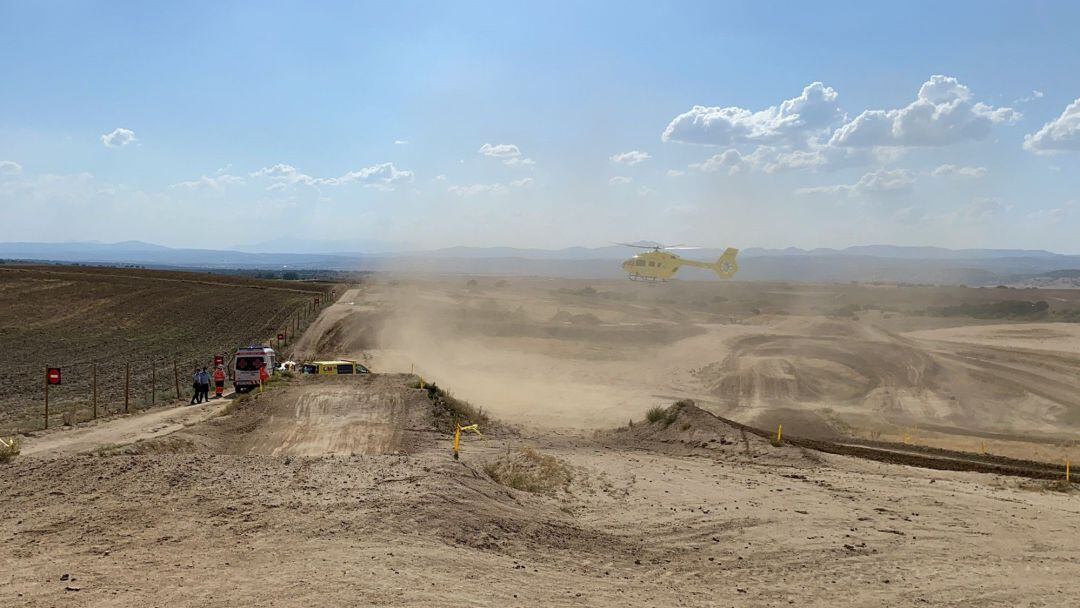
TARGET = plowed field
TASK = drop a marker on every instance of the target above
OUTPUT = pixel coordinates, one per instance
(76, 317)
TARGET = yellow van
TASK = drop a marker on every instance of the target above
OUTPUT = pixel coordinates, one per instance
(334, 367)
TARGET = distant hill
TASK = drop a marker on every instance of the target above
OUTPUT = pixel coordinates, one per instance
(893, 263)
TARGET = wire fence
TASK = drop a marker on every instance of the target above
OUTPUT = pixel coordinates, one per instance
(92, 389)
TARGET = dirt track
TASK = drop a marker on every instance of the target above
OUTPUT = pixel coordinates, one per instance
(690, 513)
(342, 491)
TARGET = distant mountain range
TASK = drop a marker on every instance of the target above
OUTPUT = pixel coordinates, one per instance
(934, 265)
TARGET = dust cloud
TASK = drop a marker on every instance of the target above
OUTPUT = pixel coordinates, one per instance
(826, 361)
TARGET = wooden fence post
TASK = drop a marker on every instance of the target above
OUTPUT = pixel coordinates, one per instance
(176, 378)
(46, 398)
(94, 382)
(153, 383)
(127, 387)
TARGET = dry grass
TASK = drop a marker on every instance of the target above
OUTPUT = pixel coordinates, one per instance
(530, 471)
(447, 409)
(9, 448)
(663, 415)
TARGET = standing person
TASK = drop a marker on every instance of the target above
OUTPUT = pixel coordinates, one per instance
(204, 384)
(196, 388)
(219, 381)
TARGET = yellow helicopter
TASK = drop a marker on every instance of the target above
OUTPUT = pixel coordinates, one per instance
(659, 265)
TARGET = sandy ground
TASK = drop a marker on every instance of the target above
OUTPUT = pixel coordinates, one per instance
(532, 353)
(342, 491)
(208, 516)
(122, 430)
(1052, 337)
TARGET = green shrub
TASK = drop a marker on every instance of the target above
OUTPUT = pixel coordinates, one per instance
(661, 414)
(656, 414)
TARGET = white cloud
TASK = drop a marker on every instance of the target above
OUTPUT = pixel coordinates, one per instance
(1050, 216)
(619, 180)
(500, 150)
(508, 153)
(285, 173)
(383, 176)
(441, 177)
(213, 183)
(819, 157)
(977, 211)
(942, 114)
(911, 215)
(277, 187)
(1056, 215)
(675, 173)
(401, 142)
(10, 168)
(794, 121)
(630, 158)
(1062, 133)
(1036, 94)
(729, 160)
(958, 171)
(645, 191)
(880, 183)
(519, 162)
(118, 138)
(477, 189)
(525, 182)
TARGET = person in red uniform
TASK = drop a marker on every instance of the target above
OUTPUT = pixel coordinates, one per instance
(263, 374)
(219, 381)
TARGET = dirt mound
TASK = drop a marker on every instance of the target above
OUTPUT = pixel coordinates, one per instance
(689, 428)
(314, 416)
(873, 372)
(354, 333)
(585, 318)
(562, 317)
(768, 370)
(528, 470)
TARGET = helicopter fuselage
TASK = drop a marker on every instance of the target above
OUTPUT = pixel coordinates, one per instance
(658, 265)
(652, 266)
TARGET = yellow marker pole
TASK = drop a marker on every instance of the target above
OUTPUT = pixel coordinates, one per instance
(779, 432)
(457, 439)
(984, 447)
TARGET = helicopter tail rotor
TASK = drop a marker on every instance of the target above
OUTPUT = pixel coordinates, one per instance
(726, 266)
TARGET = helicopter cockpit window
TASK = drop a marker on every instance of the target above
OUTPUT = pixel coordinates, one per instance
(639, 263)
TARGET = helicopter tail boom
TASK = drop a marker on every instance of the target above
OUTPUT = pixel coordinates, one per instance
(725, 266)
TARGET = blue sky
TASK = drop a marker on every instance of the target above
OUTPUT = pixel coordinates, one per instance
(434, 124)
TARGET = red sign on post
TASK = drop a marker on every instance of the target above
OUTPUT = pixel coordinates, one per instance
(218, 360)
(316, 301)
(280, 337)
(333, 292)
(53, 375)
